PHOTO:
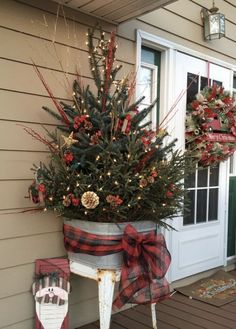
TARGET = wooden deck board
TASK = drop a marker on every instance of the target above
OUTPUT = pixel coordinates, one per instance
(180, 312)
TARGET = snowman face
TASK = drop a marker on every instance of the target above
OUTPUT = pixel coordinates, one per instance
(51, 292)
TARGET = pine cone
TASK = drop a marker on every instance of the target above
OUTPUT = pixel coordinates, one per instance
(90, 200)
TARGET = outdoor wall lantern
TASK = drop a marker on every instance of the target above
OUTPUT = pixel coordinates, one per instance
(213, 23)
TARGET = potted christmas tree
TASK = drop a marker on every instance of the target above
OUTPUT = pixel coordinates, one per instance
(106, 164)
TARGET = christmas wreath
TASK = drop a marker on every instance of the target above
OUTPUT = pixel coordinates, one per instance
(211, 126)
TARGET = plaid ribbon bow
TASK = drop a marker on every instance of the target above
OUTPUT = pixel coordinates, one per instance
(146, 261)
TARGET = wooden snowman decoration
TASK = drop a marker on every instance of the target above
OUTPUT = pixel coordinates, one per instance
(50, 291)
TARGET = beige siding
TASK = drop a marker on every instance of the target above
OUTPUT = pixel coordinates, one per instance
(26, 35)
(180, 22)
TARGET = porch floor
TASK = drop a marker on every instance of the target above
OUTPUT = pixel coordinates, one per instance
(179, 312)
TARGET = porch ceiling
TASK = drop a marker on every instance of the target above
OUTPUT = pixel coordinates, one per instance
(115, 11)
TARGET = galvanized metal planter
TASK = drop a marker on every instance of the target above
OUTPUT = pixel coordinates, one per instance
(112, 261)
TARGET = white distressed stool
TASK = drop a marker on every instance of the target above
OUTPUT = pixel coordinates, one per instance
(106, 282)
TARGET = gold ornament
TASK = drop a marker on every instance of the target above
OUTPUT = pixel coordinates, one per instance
(90, 200)
(68, 141)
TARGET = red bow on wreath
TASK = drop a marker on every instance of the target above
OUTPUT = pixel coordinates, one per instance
(146, 261)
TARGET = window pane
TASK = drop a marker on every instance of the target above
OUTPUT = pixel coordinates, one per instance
(189, 213)
(213, 204)
(214, 176)
(148, 56)
(204, 82)
(202, 177)
(146, 84)
(148, 118)
(192, 83)
(201, 205)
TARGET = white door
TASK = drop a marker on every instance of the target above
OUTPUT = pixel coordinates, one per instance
(199, 242)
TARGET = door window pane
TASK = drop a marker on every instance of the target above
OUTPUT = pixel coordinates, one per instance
(204, 82)
(214, 176)
(219, 83)
(213, 204)
(201, 205)
(192, 85)
(234, 82)
(189, 212)
(190, 180)
(202, 177)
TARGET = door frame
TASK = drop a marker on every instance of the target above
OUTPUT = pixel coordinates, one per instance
(169, 49)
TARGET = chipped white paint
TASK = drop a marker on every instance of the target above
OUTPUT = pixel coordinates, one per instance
(106, 282)
(154, 317)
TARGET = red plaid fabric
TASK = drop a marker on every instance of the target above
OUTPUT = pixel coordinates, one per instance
(146, 261)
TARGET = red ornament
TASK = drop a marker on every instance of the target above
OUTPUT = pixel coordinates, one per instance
(114, 200)
(68, 157)
(169, 194)
(41, 188)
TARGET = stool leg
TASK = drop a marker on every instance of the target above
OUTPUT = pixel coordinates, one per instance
(154, 317)
(106, 283)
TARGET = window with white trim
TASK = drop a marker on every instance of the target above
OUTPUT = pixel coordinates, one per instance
(149, 82)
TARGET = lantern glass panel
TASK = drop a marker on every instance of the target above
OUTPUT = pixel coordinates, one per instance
(214, 26)
(214, 23)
